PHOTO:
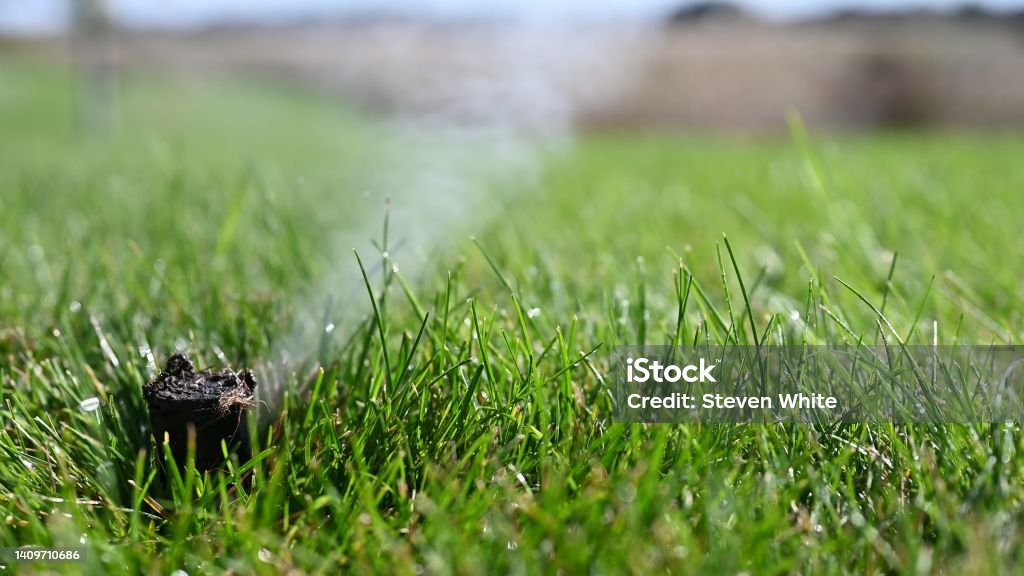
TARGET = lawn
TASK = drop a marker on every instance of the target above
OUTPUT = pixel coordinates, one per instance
(448, 411)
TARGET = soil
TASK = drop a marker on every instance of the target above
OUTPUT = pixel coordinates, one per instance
(213, 402)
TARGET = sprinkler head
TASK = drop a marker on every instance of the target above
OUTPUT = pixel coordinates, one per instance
(211, 405)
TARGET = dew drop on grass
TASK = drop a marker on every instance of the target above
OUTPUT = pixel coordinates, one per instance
(627, 493)
(147, 353)
(533, 313)
(35, 253)
(220, 355)
(89, 404)
(609, 515)
(329, 328)
(75, 306)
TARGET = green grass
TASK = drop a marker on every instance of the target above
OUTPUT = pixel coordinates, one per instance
(477, 437)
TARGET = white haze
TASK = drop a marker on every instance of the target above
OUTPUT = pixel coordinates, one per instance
(473, 144)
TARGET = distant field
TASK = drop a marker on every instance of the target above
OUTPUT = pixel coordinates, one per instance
(219, 217)
(732, 76)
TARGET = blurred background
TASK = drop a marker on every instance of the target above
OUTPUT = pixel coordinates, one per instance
(264, 140)
(535, 65)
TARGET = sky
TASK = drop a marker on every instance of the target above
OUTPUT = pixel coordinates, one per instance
(28, 16)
